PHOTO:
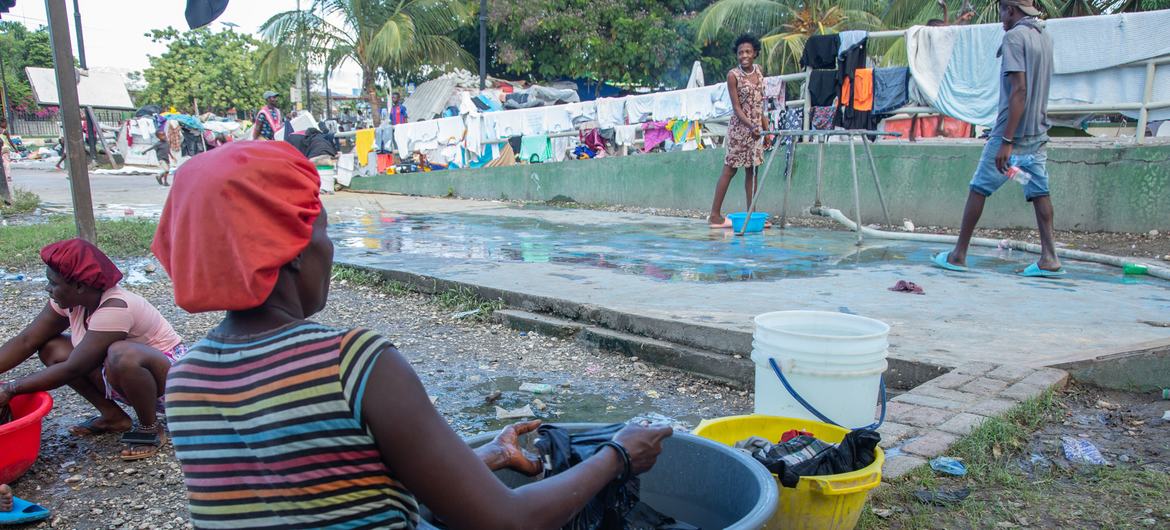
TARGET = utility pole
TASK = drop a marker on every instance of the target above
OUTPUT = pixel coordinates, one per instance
(482, 44)
(80, 38)
(71, 114)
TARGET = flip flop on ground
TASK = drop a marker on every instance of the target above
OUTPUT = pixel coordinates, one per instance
(92, 427)
(143, 443)
(21, 511)
(726, 224)
(940, 260)
(1034, 271)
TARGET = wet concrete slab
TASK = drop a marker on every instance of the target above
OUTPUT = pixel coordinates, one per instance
(684, 279)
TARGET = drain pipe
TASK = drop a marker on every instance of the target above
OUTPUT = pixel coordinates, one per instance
(1104, 259)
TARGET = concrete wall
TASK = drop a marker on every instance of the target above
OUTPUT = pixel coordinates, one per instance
(1094, 187)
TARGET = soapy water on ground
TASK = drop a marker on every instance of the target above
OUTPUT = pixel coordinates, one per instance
(665, 251)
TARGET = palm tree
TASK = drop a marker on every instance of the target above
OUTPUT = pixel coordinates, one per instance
(376, 35)
(785, 25)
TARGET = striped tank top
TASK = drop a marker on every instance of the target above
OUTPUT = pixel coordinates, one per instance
(269, 432)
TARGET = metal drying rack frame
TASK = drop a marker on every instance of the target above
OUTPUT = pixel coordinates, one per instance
(822, 137)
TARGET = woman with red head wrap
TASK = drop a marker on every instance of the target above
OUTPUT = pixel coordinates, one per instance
(108, 344)
(279, 421)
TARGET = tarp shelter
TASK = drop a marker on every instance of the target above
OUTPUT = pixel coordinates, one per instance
(430, 98)
(103, 90)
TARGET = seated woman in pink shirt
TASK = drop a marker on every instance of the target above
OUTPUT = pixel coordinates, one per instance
(118, 348)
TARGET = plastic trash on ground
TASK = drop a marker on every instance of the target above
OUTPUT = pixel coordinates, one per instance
(522, 412)
(948, 465)
(942, 497)
(1077, 450)
(536, 388)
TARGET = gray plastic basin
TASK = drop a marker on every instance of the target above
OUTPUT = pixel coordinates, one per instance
(696, 481)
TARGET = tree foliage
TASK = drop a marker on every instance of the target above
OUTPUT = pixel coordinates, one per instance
(381, 37)
(219, 70)
(641, 42)
(22, 47)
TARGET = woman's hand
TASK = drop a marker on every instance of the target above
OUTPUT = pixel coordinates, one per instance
(504, 451)
(643, 443)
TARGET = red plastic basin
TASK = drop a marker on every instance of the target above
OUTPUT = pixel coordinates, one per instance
(21, 437)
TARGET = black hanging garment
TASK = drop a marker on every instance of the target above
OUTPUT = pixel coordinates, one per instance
(849, 117)
(616, 507)
(192, 141)
(822, 87)
(820, 52)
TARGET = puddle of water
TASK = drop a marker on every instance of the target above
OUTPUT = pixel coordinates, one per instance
(565, 404)
(668, 252)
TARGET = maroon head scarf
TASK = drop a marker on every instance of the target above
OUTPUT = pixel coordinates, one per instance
(80, 261)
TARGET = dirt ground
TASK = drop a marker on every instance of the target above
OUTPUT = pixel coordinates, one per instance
(459, 361)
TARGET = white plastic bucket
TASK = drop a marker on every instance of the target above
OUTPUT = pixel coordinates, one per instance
(834, 361)
(328, 177)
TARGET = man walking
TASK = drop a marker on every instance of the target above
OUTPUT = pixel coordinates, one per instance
(1016, 144)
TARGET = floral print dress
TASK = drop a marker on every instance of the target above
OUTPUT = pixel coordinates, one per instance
(742, 149)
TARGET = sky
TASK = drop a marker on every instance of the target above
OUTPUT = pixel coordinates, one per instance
(115, 30)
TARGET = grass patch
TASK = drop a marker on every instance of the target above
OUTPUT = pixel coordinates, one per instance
(367, 278)
(23, 201)
(1003, 494)
(20, 245)
(462, 299)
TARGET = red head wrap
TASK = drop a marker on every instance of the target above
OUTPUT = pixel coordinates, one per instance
(234, 217)
(79, 260)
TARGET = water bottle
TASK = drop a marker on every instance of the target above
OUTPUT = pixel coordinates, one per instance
(1016, 173)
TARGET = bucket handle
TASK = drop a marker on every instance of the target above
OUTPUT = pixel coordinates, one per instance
(826, 487)
(807, 406)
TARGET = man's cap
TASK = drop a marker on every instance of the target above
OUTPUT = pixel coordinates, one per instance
(270, 94)
(1027, 6)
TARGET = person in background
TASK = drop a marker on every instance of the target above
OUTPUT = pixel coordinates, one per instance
(5, 148)
(1016, 145)
(162, 150)
(745, 147)
(268, 120)
(118, 348)
(281, 422)
(397, 110)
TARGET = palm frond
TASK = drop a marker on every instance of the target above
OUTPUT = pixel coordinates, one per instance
(755, 16)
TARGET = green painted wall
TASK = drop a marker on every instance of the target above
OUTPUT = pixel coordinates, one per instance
(1119, 189)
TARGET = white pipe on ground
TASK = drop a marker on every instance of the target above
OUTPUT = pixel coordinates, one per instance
(1156, 271)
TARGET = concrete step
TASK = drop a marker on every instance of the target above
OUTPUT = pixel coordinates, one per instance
(719, 367)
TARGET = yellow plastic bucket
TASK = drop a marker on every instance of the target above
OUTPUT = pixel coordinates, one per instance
(816, 503)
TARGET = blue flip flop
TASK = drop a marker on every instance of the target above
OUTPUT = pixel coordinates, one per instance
(23, 512)
(1034, 271)
(940, 261)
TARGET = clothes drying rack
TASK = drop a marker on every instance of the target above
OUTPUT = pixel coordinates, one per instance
(822, 138)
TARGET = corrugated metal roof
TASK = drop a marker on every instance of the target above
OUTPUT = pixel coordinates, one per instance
(429, 99)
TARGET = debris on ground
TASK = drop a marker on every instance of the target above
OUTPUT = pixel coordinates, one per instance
(493, 397)
(536, 388)
(464, 314)
(514, 414)
(904, 286)
(942, 496)
(1079, 450)
(948, 465)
